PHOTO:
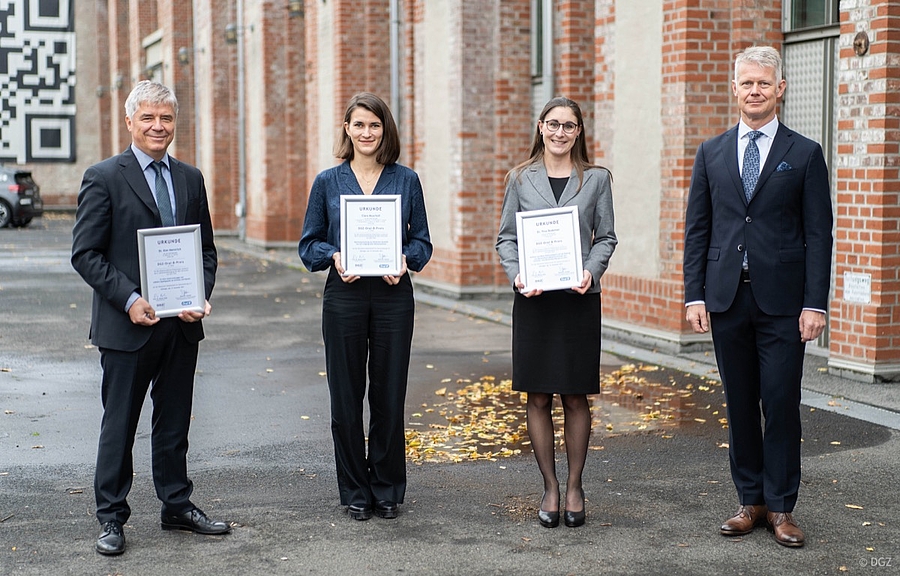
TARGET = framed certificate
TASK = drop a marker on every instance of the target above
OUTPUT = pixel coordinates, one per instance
(172, 269)
(549, 244)
(371, 243)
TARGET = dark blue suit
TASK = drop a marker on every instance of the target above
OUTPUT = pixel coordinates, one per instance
(113, 204)
(785, 230)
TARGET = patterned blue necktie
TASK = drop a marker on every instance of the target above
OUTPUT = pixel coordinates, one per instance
(750, 173)
(164, 203)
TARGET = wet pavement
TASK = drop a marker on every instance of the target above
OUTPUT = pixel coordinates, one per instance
(657, 479)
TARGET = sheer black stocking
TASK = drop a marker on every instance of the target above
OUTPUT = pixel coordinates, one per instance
(577, 435)
(538, 410)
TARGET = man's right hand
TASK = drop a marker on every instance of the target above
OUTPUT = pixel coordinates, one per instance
(142, 313)
(697, 318)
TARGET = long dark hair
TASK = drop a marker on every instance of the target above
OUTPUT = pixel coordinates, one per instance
(578, 153)
(389, 149)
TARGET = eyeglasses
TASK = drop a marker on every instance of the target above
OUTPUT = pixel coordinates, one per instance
(553, 126)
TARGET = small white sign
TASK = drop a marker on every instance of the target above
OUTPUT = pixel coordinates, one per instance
(857, 287)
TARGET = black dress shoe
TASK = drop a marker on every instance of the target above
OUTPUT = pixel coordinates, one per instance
(548, 519)
(385, 509)
(575, 519)
(112, 540)
(193, 520)
(359, 511)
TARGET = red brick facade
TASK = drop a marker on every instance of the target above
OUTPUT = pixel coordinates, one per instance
(865, 337)
(292, 86)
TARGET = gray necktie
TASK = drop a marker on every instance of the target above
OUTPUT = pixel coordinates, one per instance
(162, 196)
(750, 174)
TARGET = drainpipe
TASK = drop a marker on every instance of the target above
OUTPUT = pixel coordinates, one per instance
(241, 208)
(395, 58)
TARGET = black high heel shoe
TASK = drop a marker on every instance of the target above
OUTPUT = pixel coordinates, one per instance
(548, 519)
(576, 519)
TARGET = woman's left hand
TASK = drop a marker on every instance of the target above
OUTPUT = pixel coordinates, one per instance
(585, 283)
(394, 280)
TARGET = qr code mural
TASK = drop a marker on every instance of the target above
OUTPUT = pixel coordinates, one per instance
(37, 81)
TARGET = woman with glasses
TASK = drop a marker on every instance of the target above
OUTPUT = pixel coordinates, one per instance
(367, 321)
(556, 333)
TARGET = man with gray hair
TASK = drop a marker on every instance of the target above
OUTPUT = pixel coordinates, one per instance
(757, 272)
(143, 187)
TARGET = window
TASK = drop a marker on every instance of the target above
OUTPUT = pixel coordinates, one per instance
(802, 14)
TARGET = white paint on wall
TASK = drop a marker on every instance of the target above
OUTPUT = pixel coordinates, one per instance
(329, 118)
(637, 145)
(437, 120)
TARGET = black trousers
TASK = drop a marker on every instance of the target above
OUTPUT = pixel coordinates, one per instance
(367, 327)
(169, 362)
(760, 359)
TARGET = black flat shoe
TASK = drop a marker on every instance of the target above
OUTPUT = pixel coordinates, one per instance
(386, 510)
(112, 540)
(193, 520)
(575, 519)
(548, 519)
(358, 512)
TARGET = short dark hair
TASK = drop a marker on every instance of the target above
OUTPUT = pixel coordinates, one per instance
(389, 149)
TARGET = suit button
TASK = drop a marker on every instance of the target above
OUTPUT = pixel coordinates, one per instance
(740, 247)
(748, 219)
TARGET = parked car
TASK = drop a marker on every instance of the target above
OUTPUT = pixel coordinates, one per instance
(20, 198)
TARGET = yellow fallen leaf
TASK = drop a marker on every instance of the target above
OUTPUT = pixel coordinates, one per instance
(853, 506)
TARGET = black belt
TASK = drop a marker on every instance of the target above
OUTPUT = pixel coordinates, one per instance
(745, 275)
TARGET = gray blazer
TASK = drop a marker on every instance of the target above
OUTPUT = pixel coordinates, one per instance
(530, 190)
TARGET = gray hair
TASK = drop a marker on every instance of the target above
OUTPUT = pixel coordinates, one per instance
(150, 92)
(762, 56)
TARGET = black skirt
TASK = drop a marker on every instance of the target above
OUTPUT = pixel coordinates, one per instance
(556, 343)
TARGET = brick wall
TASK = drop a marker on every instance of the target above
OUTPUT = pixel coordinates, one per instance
(866, 336)
(491, 127)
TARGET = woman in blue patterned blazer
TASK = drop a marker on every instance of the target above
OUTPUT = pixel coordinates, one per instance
(367, 321)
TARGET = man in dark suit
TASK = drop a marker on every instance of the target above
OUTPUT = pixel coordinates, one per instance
(143, 187)
(757, 259)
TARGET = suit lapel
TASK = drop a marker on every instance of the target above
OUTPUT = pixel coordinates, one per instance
(131, 171)
(179, 182)
(347, 179)
(537, 177)
(730, 157)
(573, 186)
(384, 181)
(780, 146)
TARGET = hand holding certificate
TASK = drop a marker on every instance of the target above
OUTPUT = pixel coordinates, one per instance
(549, 244)
(172, 269)
(371, 242)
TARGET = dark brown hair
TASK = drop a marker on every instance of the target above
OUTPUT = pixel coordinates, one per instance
(389, 149)
(579, 153)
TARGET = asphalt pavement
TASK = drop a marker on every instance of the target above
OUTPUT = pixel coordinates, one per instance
(657, 479)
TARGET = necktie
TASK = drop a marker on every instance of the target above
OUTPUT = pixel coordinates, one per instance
(750, 174)
(162, 196)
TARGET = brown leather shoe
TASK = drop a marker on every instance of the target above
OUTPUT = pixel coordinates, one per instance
(745, 520)
(787, 533)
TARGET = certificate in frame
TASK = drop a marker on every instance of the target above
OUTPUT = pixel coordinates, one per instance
(549, 243)
(172, 269)
(371, 243)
